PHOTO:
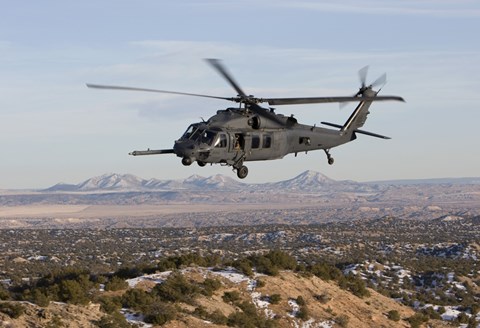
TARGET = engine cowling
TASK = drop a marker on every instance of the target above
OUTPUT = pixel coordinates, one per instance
(255, 122)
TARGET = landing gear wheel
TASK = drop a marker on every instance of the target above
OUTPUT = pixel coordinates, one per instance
(330, 160)
(242, 172)
(201, 164)
(186, 161)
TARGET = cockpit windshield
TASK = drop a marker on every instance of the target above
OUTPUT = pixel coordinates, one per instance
(196, 132)
(191, 129)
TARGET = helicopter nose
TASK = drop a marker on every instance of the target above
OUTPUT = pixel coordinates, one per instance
(184, 149)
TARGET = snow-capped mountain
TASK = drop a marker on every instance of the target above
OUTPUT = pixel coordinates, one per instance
(112, 181)
(308, 180)
(129, 182)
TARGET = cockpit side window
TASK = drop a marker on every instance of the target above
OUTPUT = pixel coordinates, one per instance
(221, 141)
(208, 137)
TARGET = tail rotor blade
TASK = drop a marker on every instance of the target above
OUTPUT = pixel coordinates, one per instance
(381, 81)
(362, 74)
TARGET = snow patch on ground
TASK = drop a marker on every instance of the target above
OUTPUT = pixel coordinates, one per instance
(157, 278)
(134, 318)
(295, 308)
(261, 303)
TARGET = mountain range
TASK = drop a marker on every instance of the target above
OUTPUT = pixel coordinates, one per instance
(306, 181)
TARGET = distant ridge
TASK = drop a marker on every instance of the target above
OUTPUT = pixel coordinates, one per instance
(306, 181)
(456, 181)
(129, 182)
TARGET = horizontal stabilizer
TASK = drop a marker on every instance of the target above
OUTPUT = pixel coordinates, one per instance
(333, 124)
(371, 134)
(151, 152)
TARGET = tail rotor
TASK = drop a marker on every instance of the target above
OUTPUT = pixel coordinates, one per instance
(362, 75)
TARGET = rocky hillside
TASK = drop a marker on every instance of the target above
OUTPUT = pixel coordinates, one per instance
(288, 299)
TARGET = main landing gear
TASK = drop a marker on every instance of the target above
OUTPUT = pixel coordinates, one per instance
(242, 170)
(329, 157)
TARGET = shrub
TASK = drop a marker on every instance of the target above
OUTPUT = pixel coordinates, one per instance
(240, 319)
(282, 260)
(462, 318)
(218, 318)
(13, 310)
(210, 285)
(110, 304)
(71, 291)
(248, 318)
(136, 299)
(115, 320)
(303, 313)
(176, 289)
(116, 283)
(159, 313)
(248, 308)
(342, 320)
(260, 283)
(244, 266)
(300, 300)
(325, 271)
(393, 315)
(128, 272)
(231, 297)
(38, 297)
(417, 319)
(4, 294)
(264, 265)
(323, 298)
(275, 298)
(354, 284)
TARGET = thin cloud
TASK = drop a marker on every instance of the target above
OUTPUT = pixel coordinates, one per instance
(423, 8)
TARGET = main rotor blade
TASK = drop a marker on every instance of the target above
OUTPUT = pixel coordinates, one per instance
(223, 71)
(114, 87)
(319, 100)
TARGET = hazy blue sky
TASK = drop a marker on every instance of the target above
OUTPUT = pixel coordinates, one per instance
(52, 128)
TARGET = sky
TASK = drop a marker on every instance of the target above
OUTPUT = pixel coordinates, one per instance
(54, 129)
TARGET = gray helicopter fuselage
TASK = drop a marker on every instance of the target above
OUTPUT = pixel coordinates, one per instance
(236, 135)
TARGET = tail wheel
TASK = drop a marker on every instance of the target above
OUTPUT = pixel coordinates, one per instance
(242, 172)
(329, 157)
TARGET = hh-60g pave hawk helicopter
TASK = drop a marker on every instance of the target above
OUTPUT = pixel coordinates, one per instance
(253, 133)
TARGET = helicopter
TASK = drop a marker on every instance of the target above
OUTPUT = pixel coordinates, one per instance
(250, 132)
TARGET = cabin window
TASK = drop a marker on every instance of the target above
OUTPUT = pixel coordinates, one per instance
(255, 141)
(304, 141)
(221, 141)
(267, 141)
